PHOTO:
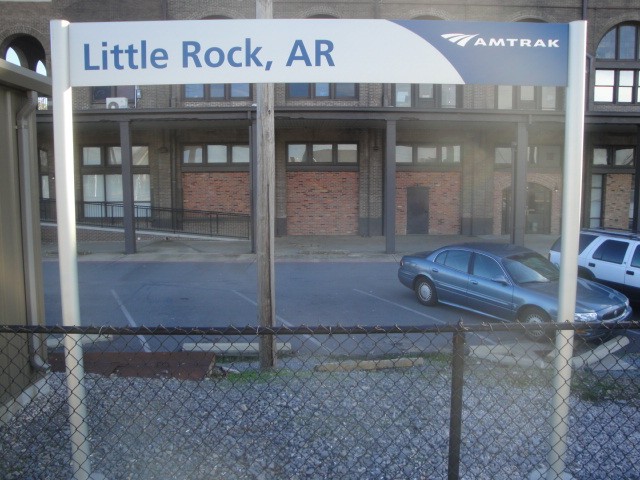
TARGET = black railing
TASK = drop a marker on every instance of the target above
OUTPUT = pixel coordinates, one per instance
(173, 220)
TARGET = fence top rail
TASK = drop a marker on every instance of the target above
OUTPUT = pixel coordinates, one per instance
(308, 330)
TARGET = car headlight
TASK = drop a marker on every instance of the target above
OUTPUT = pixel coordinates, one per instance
(586, 317)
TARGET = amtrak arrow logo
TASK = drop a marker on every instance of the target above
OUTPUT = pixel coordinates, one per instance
(460, 39)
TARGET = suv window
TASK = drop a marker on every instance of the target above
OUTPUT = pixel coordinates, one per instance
(612, 251)
(585, 240)
(635, 261)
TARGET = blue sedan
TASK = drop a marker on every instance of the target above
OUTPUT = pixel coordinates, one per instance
(508, 283)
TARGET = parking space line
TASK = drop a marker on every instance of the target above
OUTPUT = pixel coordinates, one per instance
(132, 323)
(401, 306)
(486, 339)
(284, 322)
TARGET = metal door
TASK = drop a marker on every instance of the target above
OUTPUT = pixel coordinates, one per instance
(417, 210)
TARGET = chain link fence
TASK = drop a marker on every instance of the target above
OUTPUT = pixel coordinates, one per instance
(341, 402)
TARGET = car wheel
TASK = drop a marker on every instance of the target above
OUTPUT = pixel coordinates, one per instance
(535, 316)
(426, 291)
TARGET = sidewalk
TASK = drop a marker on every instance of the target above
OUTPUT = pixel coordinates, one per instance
(159, 247)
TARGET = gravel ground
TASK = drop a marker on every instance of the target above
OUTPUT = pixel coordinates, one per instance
(298, 423)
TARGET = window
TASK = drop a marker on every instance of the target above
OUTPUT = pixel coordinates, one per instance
(426, 95)
(538, 155)
(545, 155)
(423, 155)
(613, 156)
(333, 91)
(219, 154)
(457, 259)
(527, 98)
(635, 260)
(487, 267)
(612, 251)
(617, 72)
(616, 86)
(595, 209)
(619, 43)
(43, 168)
(329, 154)
(217, 91)
(102, 191)
(100, 94)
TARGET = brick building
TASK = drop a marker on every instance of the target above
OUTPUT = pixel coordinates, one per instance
(455, 146)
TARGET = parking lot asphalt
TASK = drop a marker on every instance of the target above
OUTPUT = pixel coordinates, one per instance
(162, 248)
(157, 247)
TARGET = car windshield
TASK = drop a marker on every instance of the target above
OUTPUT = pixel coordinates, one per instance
(531, 268)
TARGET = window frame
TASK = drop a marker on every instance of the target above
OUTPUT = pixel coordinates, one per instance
(107, 170)
(434, 101)
(532, 154)
(312, 91)
(100, 94)
(438, 164)
(209, 97)
(228, 165)
(309, 164)
(618, 64)
(611, 165)
(538, 102)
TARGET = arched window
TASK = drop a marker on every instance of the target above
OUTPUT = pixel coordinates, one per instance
(26, 51)
(617, 66)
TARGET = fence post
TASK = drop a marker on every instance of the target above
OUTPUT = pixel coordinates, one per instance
(455, 417)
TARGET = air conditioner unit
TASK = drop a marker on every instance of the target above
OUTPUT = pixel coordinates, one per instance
(117, 102)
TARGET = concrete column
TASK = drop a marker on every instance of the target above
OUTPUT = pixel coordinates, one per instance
(390, 188)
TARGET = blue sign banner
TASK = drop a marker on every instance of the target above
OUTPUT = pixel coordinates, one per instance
(500, 53)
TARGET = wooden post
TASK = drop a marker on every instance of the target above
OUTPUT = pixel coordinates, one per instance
(265, 199)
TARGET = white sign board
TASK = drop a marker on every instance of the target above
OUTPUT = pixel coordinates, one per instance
(279, 51)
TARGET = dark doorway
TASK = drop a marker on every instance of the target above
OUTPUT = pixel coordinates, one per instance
(538, 209)
(417, 210)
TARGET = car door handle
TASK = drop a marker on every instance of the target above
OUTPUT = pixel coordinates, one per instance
(435, 270)
(630, 272)
(474, 282)
(592, 264)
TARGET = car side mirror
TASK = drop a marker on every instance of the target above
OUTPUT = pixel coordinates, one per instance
(500, 279)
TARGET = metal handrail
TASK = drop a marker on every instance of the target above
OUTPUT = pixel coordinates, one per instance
(147, 217)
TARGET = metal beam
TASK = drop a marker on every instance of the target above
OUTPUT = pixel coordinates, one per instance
(519, 187)
(390, 188)
(127, 188)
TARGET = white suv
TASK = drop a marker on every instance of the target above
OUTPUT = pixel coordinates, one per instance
(610, 257)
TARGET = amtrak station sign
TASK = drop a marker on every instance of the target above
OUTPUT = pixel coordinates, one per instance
(279, 51)
(309, 51)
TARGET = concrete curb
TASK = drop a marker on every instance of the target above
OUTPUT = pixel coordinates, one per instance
(516, 355)
(58, 341)
(234, 349)
(351, 365)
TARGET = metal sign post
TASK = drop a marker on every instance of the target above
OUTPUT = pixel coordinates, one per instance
(67, 248)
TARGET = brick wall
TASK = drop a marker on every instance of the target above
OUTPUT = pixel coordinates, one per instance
(324, 203)
(618, 191)
(444, 200)
(217, 191)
